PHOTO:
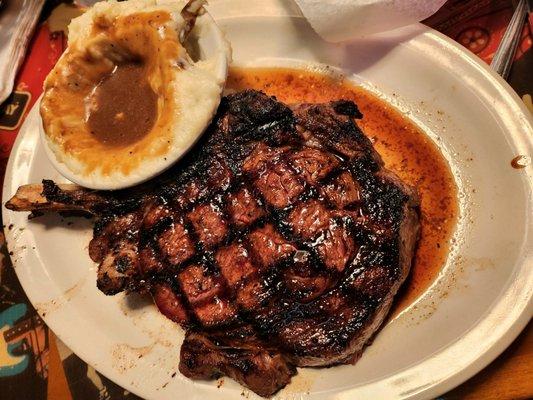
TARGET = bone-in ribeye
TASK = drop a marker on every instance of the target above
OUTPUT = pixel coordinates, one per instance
(279, 241)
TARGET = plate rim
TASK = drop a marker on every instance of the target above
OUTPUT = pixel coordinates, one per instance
(489, 353)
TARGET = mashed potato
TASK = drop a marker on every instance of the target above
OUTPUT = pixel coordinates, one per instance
(126, 100)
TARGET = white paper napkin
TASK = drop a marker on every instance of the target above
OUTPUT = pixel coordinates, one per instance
(340, 20)
(17, 21)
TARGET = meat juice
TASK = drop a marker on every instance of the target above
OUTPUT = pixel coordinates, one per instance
(404, 147)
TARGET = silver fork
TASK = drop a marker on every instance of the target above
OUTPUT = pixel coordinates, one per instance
(504, 55)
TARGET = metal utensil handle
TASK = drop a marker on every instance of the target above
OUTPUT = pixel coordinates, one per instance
(504, 55)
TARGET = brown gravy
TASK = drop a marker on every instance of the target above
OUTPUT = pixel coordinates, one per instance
(123, 107)
(405, 149)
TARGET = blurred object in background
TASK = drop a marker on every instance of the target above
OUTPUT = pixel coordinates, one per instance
(480, 26)
(337, 21)
(17, 22)
(504, 56)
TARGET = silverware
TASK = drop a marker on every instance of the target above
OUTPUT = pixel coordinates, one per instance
(504, 55)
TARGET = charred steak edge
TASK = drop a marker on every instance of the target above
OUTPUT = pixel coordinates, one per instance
(280, 240)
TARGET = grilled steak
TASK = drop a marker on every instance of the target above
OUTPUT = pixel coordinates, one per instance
(279, 241)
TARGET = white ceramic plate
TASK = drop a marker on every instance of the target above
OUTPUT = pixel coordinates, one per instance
(476, 307)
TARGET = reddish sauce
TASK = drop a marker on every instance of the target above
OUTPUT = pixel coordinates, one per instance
(520, 162)
(405, 149)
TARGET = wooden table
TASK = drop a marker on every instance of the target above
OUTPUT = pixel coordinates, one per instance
(510, 376)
